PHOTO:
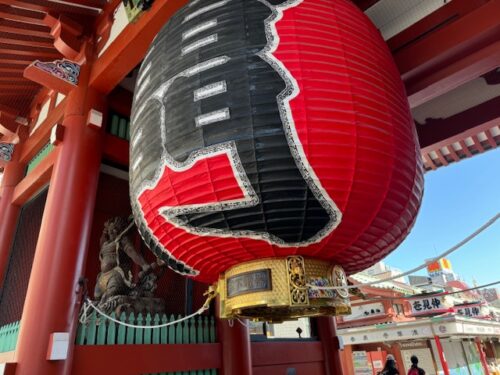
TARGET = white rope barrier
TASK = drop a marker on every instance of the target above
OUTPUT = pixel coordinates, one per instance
(89, 303)
(413, 270)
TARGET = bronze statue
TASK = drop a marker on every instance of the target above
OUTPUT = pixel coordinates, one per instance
(116, 290)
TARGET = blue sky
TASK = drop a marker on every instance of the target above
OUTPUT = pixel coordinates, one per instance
(457, 200)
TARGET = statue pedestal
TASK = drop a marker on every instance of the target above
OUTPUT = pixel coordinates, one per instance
(128, 304)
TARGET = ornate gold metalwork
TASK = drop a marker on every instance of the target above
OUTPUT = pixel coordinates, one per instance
(282, 291)
(297, 281)
(339, 278)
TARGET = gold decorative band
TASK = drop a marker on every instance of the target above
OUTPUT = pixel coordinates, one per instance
(278, 289)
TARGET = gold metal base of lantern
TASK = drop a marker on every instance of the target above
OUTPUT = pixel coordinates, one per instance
(276, 289)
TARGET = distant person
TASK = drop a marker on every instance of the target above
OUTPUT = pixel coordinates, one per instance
(390, 366)
(414, 369)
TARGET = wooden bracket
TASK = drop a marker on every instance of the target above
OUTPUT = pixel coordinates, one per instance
(67, 35)
(8, 125)
(59, 75)
(56, 134)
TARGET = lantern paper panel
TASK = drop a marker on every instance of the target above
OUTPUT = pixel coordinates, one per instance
(265, 129)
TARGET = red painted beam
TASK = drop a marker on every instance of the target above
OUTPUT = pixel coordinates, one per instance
(67, 35)
(129, 48)
(434, 131)
(22, 88)
(11, 78)
(459, 48)
(11, 72)
(25, 45)
(116, 150)
(8, 110)
(26, 52)
(35, 180)
(286, 352)
(8, 124)
(23, 40)
(112, 359)
(21, 15)
(120, 101)
(9, 65)
(42, 134)
(438, 19)
(46, 6)
(453, 75)
(22, 60)
(89, 3)
(10, 26)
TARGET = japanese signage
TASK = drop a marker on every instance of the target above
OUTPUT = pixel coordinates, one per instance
(475, 310)
(490, 295)
(429, 305)
(439, 266)
(249, 282)
(385, 334)
(413, 344)
(362, 366)
(365, 311)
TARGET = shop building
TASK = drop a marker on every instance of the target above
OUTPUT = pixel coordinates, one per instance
(449, 334)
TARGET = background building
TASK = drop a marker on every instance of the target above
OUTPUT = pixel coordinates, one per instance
(449, 333)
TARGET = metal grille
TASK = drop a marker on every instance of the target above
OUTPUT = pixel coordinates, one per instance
(13, 292)
(119, 126)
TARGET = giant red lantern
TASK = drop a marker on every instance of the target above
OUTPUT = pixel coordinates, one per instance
(272, 131)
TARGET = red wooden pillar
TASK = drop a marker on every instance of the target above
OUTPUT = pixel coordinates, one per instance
(327, 331)
(52, 302)
(236, 347)
(347, 364)
(12, 174)
(442, 359)
(482, 356)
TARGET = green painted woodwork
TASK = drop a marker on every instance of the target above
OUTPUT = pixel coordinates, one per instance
(130, 330)
(91, 329)
(121, 330)
(42, 154)
(81, 334)
(101, 331)
(171, 331)
(147, 332)
(119, 126)
(157, 332)
(139, 331)
(111, 336)
(211, 326)
(8, 337)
